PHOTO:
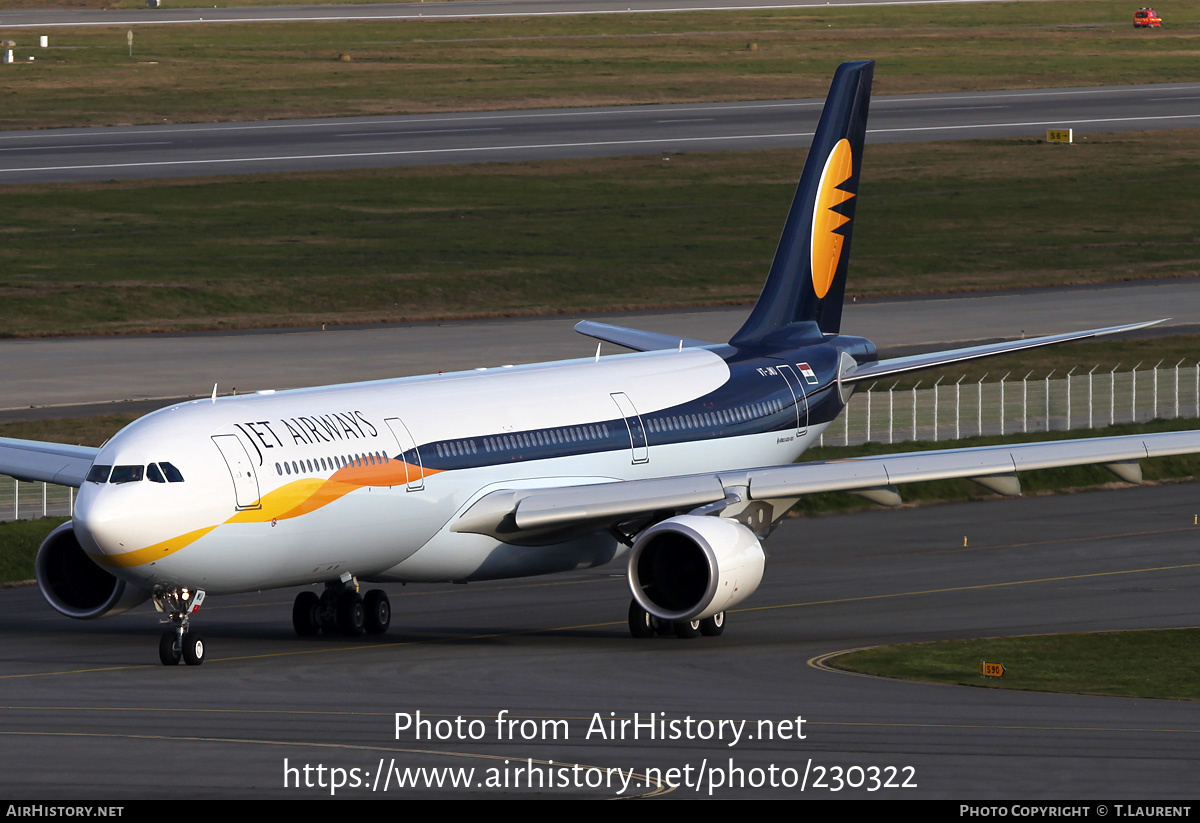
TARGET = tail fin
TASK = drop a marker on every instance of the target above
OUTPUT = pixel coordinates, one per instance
(808, 277)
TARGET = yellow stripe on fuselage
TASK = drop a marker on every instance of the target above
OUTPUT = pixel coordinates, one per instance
(297, 498)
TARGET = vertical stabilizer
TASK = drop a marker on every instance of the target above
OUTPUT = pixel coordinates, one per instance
(808, 276)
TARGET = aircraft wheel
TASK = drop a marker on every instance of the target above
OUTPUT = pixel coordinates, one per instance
(168, 653)
(713, 626)
(193, 649)
(351, 616)
(378, 611)
(304, 614)
(641, 622)
(687, 629)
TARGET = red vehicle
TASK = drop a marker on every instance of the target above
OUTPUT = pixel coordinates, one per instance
(1145, 18)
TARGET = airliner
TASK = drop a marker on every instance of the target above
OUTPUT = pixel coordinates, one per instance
(679, 457)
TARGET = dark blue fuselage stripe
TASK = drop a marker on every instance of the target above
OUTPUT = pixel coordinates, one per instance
(752, 385)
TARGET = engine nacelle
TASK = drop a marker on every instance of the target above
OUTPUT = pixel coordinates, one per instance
(691, 567)
(77, 587)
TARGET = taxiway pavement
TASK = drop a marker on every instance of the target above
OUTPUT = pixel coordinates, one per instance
(62, 377)
(88, 712)
(455, 9)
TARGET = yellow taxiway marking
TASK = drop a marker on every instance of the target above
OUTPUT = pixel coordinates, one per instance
(524, 632)
(277, 603)
(820, 662)
(976, 587)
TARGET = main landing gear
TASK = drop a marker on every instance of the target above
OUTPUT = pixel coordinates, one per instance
(642, 624)
(179, 642)
(341, 609)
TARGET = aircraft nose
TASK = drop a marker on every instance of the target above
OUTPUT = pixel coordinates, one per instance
(100, 524)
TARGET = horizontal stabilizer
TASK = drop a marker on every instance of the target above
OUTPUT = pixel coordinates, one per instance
(917, 362)
(636, 339)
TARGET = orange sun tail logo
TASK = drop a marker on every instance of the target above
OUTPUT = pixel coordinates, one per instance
(827, 240)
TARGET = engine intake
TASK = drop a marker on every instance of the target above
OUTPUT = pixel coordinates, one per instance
(77, 587)
(691, 567)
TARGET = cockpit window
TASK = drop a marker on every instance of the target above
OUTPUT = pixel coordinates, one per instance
(172, 473)
(154, 475)
(99, 474)
(127, 474)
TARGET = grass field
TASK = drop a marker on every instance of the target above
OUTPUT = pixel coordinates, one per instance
(19, 543)
(582, 236)
(275, 70)
(1155, 664)
(67, 5)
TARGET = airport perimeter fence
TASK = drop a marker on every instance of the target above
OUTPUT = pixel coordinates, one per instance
(1029, 403)
(937, 412)
(29, 501)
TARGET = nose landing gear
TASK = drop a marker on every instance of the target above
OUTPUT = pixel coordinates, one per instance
(179, 642)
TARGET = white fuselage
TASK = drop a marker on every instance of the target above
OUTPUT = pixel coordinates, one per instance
(303, 486)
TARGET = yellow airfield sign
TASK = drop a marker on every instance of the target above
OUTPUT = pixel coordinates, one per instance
(991, 669)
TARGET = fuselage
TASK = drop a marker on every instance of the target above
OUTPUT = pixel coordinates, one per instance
(291, 487)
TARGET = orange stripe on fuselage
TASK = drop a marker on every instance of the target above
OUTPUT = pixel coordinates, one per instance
(289, 501)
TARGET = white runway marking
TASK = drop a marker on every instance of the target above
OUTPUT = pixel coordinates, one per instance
(588, 144)
(484, 14)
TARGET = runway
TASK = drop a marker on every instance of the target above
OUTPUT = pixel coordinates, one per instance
(62, 155)
(88, 713)
(24, 18)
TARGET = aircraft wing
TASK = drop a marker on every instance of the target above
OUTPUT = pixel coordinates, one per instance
(35, 460)
(901, 365)
(511, 512)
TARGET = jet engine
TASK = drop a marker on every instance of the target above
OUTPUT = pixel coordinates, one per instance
(77, 587)
(691, 567)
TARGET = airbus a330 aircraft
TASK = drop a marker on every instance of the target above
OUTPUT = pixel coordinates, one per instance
(515, 471)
